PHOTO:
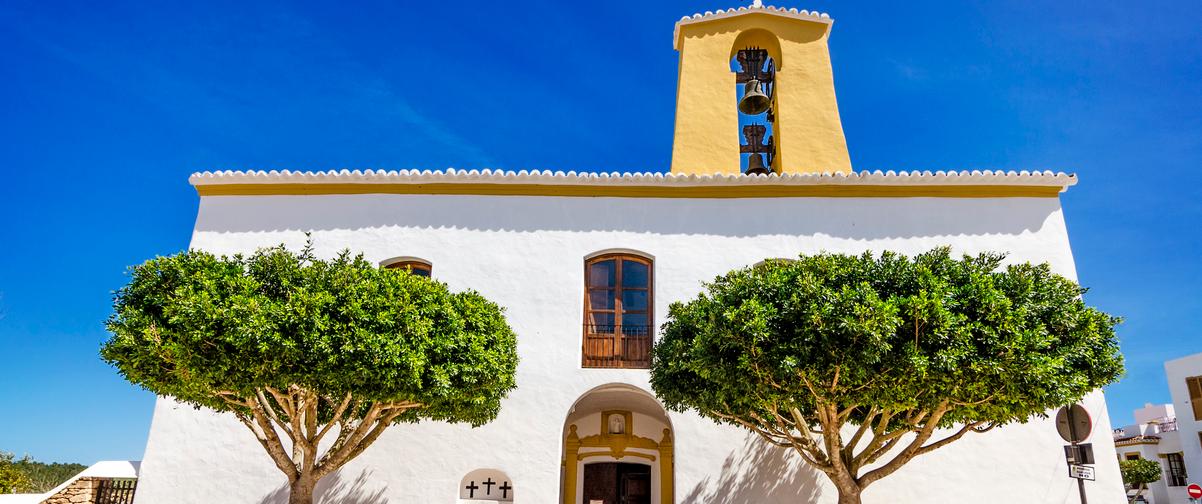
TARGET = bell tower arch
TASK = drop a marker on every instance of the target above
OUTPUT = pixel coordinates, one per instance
(806, 133)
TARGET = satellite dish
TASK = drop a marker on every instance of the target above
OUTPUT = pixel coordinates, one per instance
(1073, 423)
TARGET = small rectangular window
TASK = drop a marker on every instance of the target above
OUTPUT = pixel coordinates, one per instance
(1175, 470)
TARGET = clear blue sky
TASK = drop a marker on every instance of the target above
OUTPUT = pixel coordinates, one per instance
(107, 107)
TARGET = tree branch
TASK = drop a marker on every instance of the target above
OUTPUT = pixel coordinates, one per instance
(848, 452)
(971, 427)
(378, 418)
(265, 433)
(908, 452)
(335, 419)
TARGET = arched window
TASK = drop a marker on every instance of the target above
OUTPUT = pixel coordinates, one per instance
(415, 266)
(617, 311)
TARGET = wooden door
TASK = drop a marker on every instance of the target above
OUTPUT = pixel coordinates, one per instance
(617, 483)
(635, 487)
(601, 483)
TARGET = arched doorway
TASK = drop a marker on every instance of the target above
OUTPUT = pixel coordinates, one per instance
(617, 448)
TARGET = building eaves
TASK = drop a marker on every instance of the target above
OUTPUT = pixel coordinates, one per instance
(756, 7)
(975, 184)
(453, 176)
(1134, 440)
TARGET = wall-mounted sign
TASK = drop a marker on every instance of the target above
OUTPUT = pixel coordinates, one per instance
(1080, 472)
(486, 485)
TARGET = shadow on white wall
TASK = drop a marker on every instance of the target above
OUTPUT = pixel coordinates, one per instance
(855, 218)
(337, 489)
(759, 473)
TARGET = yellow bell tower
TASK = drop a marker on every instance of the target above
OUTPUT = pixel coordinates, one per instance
(806, 134)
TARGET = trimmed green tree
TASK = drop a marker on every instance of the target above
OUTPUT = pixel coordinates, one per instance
(1138, 473)
(307, 352)
(12, 479)
(861, 363)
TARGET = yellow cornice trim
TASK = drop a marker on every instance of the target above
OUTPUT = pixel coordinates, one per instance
(627, 191)
(615, 455)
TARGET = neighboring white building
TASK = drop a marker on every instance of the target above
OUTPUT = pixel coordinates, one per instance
(1160, 434)
(1185, 386)
(1154, 436)
(535, 243)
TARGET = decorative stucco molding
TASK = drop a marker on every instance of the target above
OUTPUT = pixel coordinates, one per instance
(975, 184)
(452, 176)
(756, 7)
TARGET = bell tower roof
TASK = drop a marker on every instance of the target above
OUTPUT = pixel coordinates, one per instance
(756, 7)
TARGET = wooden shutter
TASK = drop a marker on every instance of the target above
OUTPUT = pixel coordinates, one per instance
(1194, 383)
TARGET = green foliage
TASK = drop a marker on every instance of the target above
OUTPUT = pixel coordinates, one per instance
(26, 475)
(203, 329)
(1001, 344)
(898, 347)
(12, 479)
(1139, 472)
(43, 476)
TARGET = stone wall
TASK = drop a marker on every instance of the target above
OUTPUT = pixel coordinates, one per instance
(81, 491)
(87, 490)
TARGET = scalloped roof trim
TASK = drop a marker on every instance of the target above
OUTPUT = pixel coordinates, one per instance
(755, 7)
(547, 177)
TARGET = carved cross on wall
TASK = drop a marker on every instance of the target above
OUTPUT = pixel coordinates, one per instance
(505, 488)
(488, 483)
(471, 489)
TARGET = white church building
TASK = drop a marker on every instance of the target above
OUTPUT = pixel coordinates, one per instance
(586, 265)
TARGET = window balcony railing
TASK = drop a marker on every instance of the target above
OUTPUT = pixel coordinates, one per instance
(610, 346)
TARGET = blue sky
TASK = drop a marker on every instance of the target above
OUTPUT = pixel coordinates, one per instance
(107, 107)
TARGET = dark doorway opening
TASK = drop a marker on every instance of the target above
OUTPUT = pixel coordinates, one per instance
(617, 483)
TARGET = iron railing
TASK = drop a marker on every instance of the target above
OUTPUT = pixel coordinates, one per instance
(611, 346)
(116, 491)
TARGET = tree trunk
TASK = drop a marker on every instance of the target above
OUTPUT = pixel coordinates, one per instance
(849, 492)
(1139, 490)
(301, 490)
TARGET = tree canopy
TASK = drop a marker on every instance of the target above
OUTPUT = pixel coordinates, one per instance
(44, 476)
(796, 349)
(1138, 474)
(12, 478)
(290, 342)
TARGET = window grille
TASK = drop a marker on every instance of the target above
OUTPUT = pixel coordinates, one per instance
(1175, 472)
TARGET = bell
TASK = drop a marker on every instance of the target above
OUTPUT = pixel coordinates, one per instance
(754, 101)
(755, 165)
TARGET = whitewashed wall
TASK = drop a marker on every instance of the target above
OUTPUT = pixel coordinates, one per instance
(526, 253)
(1189, 429)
